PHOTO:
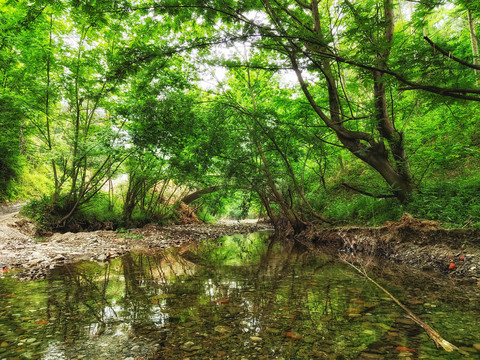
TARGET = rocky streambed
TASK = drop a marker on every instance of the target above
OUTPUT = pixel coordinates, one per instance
(418, 243)
(21, 250)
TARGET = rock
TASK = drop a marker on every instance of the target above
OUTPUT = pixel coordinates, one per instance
(102, 257)
(222, 329)
(187, 346)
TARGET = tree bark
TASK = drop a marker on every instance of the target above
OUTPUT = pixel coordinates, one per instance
(474, 40)
(197, 194)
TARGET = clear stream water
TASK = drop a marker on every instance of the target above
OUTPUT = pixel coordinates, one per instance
(238, 297)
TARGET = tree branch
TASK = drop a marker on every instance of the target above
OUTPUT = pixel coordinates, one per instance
(450, 55)
(381, 196)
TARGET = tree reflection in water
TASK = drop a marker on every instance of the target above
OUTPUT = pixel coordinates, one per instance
(242, 296)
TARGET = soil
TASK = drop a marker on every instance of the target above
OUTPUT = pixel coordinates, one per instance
(422, 244)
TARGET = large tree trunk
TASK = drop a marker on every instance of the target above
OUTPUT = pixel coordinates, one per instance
(391, 163)
(197, 194)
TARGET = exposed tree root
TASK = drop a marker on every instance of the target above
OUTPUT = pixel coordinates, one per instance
(434, 335)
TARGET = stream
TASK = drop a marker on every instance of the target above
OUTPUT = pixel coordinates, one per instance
(238, 297)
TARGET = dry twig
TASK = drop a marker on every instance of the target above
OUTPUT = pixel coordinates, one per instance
(434, 335)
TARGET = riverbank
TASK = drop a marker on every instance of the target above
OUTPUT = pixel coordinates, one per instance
(32, 257)
(417, 243)
(421, 244)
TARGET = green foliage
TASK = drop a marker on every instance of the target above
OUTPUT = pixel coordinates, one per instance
(363, 210)
(48, 214)
(129, 235)
(453, 202)
(42, 211)
(11, 159)
(93, 89)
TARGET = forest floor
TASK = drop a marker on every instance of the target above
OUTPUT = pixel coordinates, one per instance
(418, 243)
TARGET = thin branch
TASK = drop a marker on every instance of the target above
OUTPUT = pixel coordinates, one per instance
(450, 55)
(435, 336)
(380, 196)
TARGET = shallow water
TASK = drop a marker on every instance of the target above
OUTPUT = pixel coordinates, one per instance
(239, 297)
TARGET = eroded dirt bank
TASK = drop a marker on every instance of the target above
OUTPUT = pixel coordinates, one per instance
(419, 243)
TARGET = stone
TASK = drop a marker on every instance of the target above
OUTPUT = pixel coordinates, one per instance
(221, 329)
(187, 346)
(272, 330)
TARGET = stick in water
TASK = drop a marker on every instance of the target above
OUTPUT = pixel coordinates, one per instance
(435, 336)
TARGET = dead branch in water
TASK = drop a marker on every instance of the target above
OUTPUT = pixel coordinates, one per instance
(434, 335)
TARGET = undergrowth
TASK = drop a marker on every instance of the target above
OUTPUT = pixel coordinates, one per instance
(453, 203)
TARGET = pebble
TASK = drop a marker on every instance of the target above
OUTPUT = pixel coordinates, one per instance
(221, 329)
(406, 321)
(187, 346)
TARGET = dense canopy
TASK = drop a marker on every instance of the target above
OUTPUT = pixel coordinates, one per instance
(349, 111)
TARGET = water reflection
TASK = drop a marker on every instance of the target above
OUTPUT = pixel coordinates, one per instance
(241, 297)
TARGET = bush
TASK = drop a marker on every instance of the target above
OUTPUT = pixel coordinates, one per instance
(363, 210)
(97, 214)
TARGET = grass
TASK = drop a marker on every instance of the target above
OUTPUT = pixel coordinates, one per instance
(453, 203)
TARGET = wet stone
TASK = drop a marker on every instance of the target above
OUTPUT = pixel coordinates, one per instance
(222, 329)
(406, 321)
(187, 346)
